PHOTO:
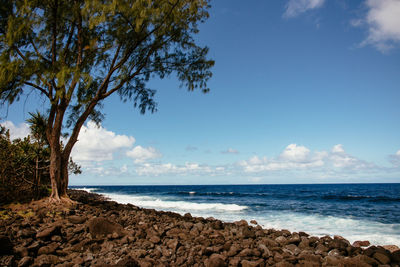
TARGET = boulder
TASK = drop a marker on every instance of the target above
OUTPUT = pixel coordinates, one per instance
(48, 232)
(6, 247)
(99, 226)
(7, 260)
(391, 248)
(233, 250)
(75, 219)
(396, 256)
(46, 260)
(266, 252)
(246, 263)
(361, 243)
(127, 262)
(216, 260)
(248, 232)
(355, 261)
(295, 239)
(241, 223)
(25, 261)
(281, 240)
(21, 251)
(49, 249)
(382, 258)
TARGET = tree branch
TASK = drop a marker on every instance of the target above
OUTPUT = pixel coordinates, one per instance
(20, 53)
(54, 36)
(37, 87)
(80, 43)
(66, 48)
(37, 51)
(106, 80)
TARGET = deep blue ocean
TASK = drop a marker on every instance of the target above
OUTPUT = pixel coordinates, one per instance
(354, 211)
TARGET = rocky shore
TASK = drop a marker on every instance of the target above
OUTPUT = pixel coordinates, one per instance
(97, 232)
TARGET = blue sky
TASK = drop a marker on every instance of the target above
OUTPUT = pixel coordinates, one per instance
(303, 91)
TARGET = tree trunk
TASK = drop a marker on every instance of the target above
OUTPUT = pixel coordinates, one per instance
(37, 179)
(54, 173)
(63, 185)
(55, 167)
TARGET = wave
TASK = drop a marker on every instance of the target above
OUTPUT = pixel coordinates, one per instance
(171, 205)
(89, 190)
(315, 196)
(219, 194)
(352, 229)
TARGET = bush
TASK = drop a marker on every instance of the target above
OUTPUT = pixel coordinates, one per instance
(23, 169)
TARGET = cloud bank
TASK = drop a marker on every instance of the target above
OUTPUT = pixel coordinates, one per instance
(98, 144)
(295, 157)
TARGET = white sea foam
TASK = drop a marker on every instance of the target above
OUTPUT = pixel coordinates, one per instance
(317, 225)
(170, 205)
(314, 224)
(89, 190)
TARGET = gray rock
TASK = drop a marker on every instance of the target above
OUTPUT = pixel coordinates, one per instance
(281, 240)
(382, 258)
(48, 232)
(49, 249)
(216, 260)
(46, 260)
(100, 226)
(6, 247)
(246, 263)
(361, 243)
(25, 261)
(75, 219)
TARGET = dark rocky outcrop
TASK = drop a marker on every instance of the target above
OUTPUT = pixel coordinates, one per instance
(97, 232)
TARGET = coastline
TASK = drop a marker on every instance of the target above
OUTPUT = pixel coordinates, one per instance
(99, 232)
(356, 213)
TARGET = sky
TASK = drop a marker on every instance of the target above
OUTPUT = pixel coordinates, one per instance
(303, 91)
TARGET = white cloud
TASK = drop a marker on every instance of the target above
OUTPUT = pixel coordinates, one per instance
(17, 131)
(295, 153)
(296, 157)
(98, 144)
(338, 149)
(156, 169)
(230, 151)
(124, 168)
(383, 22)
(395, 159)
(142, 154)
(296, 7)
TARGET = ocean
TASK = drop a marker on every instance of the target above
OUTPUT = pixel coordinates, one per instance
(354, 211)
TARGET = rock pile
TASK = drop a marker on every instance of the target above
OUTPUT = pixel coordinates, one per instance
(97, 232)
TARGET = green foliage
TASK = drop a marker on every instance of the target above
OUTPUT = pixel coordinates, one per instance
(19, 160)
(79, 50)
(77, 53)
(38, 124)
(24, 163)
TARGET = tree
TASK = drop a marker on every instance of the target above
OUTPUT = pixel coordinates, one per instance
(21, 160)
(77, 53)
(37, 124)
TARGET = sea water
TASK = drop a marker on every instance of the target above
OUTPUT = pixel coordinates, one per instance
(354, 211)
